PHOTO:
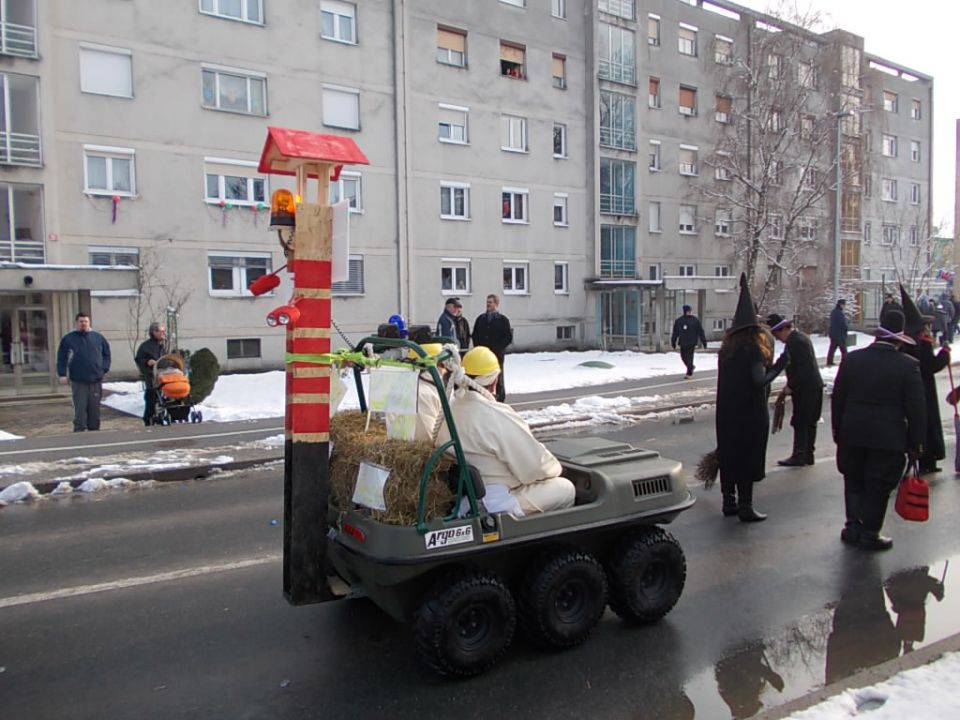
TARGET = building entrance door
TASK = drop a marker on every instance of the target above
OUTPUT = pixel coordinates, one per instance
(24, 336)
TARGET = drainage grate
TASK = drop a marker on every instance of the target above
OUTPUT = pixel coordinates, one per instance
(651, 486)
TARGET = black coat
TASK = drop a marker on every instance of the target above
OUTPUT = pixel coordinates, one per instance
(878, 400)
(743, 415)
(688, 332)
(930, 364)
(494, 333)
(150, 349)
(803, 379)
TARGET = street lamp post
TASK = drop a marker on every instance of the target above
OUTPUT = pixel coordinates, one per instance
(836, 213)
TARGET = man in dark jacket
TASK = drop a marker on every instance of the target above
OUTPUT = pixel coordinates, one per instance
(804, 385)
(150, 350)
(878, 415)
(687, 331)
(837, 332)
(889, 304)
(452, 324)
(84, 358)
(492, 330)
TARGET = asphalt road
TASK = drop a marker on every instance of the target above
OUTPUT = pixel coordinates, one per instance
(166, 603)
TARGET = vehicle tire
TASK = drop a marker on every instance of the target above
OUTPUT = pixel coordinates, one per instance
(647, 573)
(465, 624)
(562, 598)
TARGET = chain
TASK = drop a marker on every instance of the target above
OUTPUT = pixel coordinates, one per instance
(342, 334)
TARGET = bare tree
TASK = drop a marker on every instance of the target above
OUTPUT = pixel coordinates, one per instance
(912, 248)
(773, 161)
(157, 295)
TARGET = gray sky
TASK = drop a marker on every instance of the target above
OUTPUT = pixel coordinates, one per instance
(921, 35)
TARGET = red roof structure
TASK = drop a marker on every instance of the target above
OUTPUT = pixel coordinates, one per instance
(285, 150)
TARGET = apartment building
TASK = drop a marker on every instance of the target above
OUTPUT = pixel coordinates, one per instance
(552, 151)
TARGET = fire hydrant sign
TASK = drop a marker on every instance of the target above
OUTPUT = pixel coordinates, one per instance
(371, 480)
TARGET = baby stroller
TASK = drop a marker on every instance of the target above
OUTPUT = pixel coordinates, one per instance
(173, 392)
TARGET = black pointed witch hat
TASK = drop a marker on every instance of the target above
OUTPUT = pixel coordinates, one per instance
(746, 313)
(913, 319)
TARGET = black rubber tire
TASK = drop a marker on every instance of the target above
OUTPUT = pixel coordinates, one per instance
(562, 598)
(465, 624)
(647, 573)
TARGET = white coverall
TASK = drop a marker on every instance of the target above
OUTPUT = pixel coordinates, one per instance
(428, 408)
(498, 442)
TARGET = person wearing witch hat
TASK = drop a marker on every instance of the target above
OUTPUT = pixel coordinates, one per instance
(804, 385)
(918, 327)
(745, 371)
(878, 416)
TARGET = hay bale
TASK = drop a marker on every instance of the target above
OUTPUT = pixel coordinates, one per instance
(351, 446)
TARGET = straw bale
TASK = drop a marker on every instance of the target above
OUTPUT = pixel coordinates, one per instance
(351, 446)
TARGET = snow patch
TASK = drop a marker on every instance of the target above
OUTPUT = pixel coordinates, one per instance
(19, 492)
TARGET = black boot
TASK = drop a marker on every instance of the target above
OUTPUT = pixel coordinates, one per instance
(730, 507)
(745, 511)
(874, 541)
(799, 455)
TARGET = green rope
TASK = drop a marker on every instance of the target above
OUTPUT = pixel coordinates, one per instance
(349, 357)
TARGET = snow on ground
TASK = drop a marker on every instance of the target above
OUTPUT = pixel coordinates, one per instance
(924, 692)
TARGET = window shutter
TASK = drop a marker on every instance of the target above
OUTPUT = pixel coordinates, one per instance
(450, 40)
(724, 104)
(341, 109)
(655, 86)
(511, 53)
(558, 66)
(354, 284)
(106, 73)
(688, 97)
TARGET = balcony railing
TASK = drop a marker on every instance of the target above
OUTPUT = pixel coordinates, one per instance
(18, 40)
(618, 268)
(19, 149)
(618, 138)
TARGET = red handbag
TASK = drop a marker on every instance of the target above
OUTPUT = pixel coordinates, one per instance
(913, 496)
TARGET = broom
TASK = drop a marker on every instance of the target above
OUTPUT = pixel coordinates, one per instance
(779, 410)
(708, 468)
(952, 399)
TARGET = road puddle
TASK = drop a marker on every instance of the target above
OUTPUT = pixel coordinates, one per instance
(878, 617)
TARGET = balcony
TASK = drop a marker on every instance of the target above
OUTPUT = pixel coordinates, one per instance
(19, 40)
(19, 149)
(19, 120)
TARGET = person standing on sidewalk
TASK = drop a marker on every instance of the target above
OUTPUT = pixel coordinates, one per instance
(804, 385)
(687, 331)
(838, 332)
(492, 330)
(150, 350)
(878, 416)
(452, 324)
(83, 358)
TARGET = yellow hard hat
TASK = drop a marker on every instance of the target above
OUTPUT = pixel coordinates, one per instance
(431, 349)
(480, 361)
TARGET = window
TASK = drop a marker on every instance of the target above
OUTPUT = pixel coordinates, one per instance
(807, 75)
(653, 271)
(515, 205)
(688, 160)
(915, 110)
(654, 157)
(452, 124)
(688, 219)
(891, 101)
(867, 232)
(719, 325)
(653, 93)
(811, 179)
(914, 193)
(915, 151)
(561, 278)
(618, 257)
(891, 235)
(233, 181)
(242, 348)
(724, 222)
(868, 186)
(558, 8)
(723, 50)
(238, 91)
(112, 256)
(775, 226)
(776, 121)
(513, 133)
(513, 59)
(106, 70)
(620, 8)
(559, 140)
(774, 66)
(617, 186)
(353, 285)
(231, 275)
(653, 30)
(341, 107)
(687, 270)
(721, 271)
(338, 21)
(889, 189)
(617, 57)
(454, 201)
(109, 171)
(565, 332)
(244, 10)
(455, 276)
(865, 274)
(559, 65)
(451, 46)
(889, 145)
(618, 121)
(807, 123)
(654, 224)
(348, 187)
(560, 209)
(850, 124)
(722, 170)
(21, 228)
(515, 3)
(914, 236)
(687, 40)
(687, 100)
(807, 229)
(515, 277)
(724, 108)
(776, 172)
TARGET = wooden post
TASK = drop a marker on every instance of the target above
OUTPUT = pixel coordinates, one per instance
(306, 466)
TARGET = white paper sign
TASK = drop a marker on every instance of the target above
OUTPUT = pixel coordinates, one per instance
(338, 390)
(393, 390)
(340, 250)
(401, 427)
(371, 479)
